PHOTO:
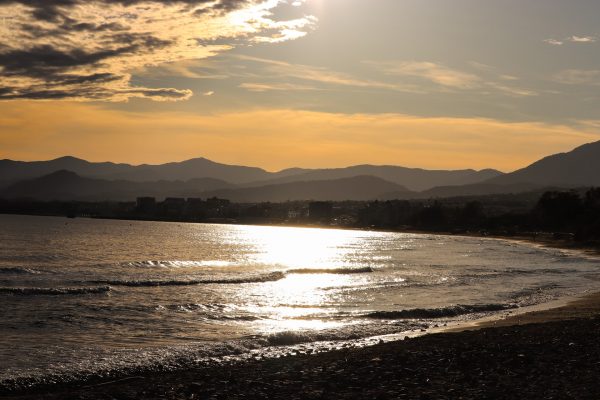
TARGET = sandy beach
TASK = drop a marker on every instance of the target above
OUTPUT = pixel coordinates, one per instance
(550, 354)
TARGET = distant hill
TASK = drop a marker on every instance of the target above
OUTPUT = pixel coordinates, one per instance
(67, 185)
(411, 178)
(477, 189)
(357, 188)
(14, 171)
(200, 177)
(580, 167)
(414, 179)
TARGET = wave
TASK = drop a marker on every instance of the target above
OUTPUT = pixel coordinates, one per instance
(123, 364)
(272, 277)
(177, 264)
(37, 291)
(18, 271)
(211, 311)
(452, 311)
(341, 271)
(541, 271)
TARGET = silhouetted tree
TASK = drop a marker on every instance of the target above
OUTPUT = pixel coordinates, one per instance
(432, 217)
(559, 210)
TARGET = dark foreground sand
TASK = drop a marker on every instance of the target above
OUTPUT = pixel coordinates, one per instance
(553, 354)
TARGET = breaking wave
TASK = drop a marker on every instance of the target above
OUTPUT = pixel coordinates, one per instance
(18, 271)
(177, 264)
(452, 311)
(341, 271)
(37, 291)
(272, 277)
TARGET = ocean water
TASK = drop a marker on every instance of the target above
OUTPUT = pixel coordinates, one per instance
(83, 296)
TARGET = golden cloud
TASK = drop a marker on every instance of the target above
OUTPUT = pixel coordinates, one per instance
(87, 50)
(279, 138)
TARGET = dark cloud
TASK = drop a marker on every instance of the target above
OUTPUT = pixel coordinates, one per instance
(44, 61)
(52, 10)
(88, 49)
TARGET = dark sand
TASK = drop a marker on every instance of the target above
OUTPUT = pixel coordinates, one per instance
(552, 354)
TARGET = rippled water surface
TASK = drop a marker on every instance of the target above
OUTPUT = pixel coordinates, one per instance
(89, 295)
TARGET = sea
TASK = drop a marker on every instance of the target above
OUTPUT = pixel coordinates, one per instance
(87, 297)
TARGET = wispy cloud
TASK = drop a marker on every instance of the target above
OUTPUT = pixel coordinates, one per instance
(450, 78)
(268, 87)
(571, 39)
(431, 71)
(582, 39)
(88, 49)
(285, 71)
(578, 77)
(279, 76)
(316, 138)
(554, 42)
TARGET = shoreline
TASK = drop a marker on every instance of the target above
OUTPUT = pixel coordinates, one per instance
(541, 238)
(561, 325)
(541, 354)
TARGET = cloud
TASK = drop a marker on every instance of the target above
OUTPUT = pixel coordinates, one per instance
(433, 72)
(582, 39)
(284, 70)
(268, 87)
(554, 42)
(578, 77)
(449, 78)
(571, 39)
(284, 76)
(312, 139)
(89, 49)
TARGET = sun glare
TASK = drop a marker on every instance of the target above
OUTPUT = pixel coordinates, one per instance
(302, 300)
(302, 247)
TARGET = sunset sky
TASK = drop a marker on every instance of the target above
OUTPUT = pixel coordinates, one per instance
(310, 83)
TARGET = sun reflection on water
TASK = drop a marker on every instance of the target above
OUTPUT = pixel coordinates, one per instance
(304, 247)
(302, 301)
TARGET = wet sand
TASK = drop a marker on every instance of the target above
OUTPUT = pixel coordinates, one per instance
(550, 354)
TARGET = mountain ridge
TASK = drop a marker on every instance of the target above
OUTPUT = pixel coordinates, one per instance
(412, 178)
(577, 167)
(67, 185)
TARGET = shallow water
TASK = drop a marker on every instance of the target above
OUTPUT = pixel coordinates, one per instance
(82, 296)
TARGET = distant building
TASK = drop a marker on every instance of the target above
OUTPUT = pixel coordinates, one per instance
(146, 205)
(194, 202)
(216, 203)
(320, 210)
(195, 208)
(174, 205)
(294, 214)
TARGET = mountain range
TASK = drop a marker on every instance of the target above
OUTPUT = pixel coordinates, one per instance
(70, 178)
(413, 178)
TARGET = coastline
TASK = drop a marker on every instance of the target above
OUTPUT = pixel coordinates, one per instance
(551, 353)
(443, 363)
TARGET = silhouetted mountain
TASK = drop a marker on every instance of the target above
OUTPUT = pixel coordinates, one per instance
(579, 167)
(415, 179)
(354, 188)
(411, 178)
(67, 185)
(13, 171)
(477, 189)
(191, 169)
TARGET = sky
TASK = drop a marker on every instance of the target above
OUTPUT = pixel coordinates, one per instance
(438, 84)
